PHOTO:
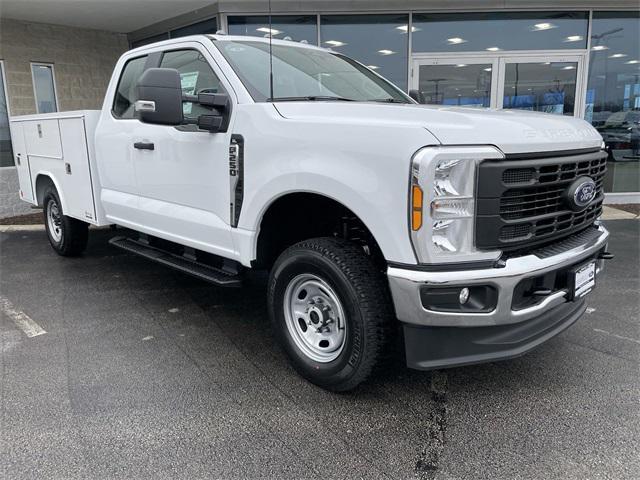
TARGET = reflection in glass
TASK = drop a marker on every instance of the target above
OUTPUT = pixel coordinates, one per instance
(6, 152)
(548, 87)
(295, 27)
(495, 31)
(378, 41)
(463, 85)
(613, 95)
(44, 88)
(305, 74)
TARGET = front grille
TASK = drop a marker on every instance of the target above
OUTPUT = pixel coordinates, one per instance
(523, 202)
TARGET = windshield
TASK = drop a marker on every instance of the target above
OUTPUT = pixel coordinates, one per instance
(301, 73)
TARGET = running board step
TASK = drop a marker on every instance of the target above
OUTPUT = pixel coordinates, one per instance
(199, 270)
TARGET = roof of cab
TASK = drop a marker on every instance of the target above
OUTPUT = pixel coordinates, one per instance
(228, 38)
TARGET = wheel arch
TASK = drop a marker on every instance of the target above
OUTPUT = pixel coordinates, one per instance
(330, 217)
(42, 181)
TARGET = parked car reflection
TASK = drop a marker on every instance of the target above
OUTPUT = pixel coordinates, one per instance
(621, 133)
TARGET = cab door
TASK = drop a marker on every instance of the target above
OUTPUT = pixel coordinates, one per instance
(182, 173)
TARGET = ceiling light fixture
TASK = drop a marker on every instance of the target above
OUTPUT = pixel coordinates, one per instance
(568, 67)
(335, 43)
(599, 48)
(461, 65)
(618, 55)
(456, 40)
(632, 62)
(271, 31)
(385, 51)
(493, 49)
(373, 67)
(543, 26)
(573, 38)
(405, 28)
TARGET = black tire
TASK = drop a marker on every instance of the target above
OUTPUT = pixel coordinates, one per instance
(71, 237)
(364, 294)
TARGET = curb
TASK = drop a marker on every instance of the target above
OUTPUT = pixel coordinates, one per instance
(21, 228)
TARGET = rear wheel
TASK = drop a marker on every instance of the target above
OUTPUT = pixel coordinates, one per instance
(331, 311)
(68, 236)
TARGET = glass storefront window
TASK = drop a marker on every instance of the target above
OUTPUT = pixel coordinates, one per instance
(6, 152)
(613, 95)
(493, 31)
(295, 27)
(378, 41)
(204, 27)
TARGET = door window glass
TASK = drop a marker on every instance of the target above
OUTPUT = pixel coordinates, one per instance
(459, 84)
(196, 76)
(126, 93)
(44, 88)
(6, 152)
(542, 87)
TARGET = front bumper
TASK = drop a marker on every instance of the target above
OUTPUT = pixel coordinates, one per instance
(434, 339)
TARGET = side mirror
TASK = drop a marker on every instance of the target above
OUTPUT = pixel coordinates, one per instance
(417, 96)
(160, 97)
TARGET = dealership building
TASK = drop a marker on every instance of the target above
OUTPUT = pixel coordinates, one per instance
(576, 58)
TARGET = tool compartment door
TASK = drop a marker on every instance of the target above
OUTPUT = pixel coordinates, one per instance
(22, 162)
(76, 177)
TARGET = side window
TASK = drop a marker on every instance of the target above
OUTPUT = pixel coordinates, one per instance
(196, 76)
(126, 93)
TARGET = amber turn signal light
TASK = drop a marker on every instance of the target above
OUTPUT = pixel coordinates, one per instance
(416, 207)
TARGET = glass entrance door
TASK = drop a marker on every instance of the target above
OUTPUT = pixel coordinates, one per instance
(549, 82)
(466, 82)
(541, 84)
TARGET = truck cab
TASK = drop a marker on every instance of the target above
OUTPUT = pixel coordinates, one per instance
(471, 234)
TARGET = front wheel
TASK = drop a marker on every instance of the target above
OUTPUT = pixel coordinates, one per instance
(68, 236)
(331, 311)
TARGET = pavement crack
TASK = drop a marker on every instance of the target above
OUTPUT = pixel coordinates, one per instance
(429, 458)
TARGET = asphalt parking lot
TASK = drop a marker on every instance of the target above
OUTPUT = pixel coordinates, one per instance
(146, 373)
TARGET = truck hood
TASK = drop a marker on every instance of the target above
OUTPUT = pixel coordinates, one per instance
(513, 131)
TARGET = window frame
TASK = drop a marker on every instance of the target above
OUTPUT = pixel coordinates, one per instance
(219, 75)
(5, 91)
(115, 92)
(53, 82)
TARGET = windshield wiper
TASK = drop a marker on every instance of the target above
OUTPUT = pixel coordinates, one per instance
(388, 100)
(312, 98)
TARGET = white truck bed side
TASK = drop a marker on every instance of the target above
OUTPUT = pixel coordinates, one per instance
(60, 146)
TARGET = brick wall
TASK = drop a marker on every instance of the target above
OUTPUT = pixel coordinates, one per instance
(83, 61)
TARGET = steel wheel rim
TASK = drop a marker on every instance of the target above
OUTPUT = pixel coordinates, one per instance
(315, 318)
(54, 220)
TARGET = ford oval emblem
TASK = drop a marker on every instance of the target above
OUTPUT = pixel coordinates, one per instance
(581, 193)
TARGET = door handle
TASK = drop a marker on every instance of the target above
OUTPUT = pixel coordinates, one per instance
(144, 145)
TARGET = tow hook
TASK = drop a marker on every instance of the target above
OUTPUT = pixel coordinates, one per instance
(605, 256)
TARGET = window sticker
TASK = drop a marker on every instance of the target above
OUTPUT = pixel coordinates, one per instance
(188, 82)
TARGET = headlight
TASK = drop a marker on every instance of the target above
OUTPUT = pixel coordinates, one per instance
(445, 178)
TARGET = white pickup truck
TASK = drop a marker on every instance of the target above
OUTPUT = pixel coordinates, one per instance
(473, 234)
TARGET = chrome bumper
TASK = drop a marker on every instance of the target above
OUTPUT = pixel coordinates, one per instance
(406, 284)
